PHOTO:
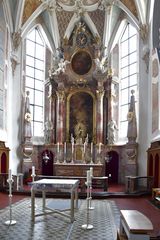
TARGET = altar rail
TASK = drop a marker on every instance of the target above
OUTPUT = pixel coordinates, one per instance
(135, 184)
(97, 182)
(17, 181)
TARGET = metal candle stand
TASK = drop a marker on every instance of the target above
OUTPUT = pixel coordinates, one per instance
(72, 161)
(33, 176)
(90, 196)
(88, 226)
(10, 221)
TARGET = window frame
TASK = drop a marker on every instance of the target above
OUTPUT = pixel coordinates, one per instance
(33, 89)
(123, 137)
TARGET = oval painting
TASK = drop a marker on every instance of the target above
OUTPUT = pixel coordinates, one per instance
(81, 62)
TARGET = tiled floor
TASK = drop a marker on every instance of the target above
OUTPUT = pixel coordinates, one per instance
(104, 218)
(140, 203)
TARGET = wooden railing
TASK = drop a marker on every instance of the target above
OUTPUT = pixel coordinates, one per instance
(135, 184)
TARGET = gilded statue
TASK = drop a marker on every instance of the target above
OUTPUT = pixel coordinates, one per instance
(80, 132)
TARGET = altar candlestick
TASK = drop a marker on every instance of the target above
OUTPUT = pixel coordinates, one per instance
(99, 148)
(10, 174)
(72, 147)
(88, 176)
(58, 147)
(65, 148)
(33, 170)
(91, 171)
(91, 148)
(84, 147)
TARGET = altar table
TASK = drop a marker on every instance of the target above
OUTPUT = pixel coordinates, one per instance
(50, 185)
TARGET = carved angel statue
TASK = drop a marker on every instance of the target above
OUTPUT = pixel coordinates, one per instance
(101, 65)
(61, 67)
(58, 67)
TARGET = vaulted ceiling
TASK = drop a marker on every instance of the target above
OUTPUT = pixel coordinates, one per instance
(59, 17)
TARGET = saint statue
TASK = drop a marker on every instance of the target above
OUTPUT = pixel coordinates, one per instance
(112, 127)
(80, 132)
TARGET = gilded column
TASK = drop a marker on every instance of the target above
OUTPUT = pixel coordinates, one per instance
(99, 119)
(60, 116)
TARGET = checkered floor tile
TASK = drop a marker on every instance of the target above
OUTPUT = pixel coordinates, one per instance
(104, 218)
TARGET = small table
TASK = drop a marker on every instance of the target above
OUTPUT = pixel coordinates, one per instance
(135, 225)
(50, 185)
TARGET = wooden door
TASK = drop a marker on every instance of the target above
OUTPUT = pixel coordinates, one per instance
(47, 166)
(4, 163)
(112, 167)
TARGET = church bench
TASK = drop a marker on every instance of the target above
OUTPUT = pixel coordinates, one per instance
(134, 225)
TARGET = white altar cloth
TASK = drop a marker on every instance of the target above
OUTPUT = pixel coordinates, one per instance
(50, 185)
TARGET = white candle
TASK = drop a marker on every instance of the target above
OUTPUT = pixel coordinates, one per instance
(58, 147)
(88, 176)
(91, 147)
(99, 147)
(33, 170)
(10, 174)
(72, 147)
(71, 137)
(91, 171)
(84, 147)
(65, 148)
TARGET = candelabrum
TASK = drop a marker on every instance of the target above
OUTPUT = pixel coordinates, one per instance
(99, 158)
(88, 226)
(10, 221)
(58, 156)
(33, 175)
(72, 160)
(90, 196)
(64, 157)
(91, 161)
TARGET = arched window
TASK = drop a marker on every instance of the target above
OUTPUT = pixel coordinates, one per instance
(128, 74)
(35, 76)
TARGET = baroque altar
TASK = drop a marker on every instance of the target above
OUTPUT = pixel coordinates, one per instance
(81, 112)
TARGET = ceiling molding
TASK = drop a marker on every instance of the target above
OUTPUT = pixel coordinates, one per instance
(107, 26)
(32, 18)
(18, 21)
(116, 34)
(8, 15)
(133, 19)
(54, 28)
(150, 10)
(141, 11)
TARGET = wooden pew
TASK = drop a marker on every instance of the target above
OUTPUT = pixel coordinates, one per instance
(134, 226)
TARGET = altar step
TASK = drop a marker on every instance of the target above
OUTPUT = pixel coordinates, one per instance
(95, 195)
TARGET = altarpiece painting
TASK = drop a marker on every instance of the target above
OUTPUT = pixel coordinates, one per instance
(81, 116)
